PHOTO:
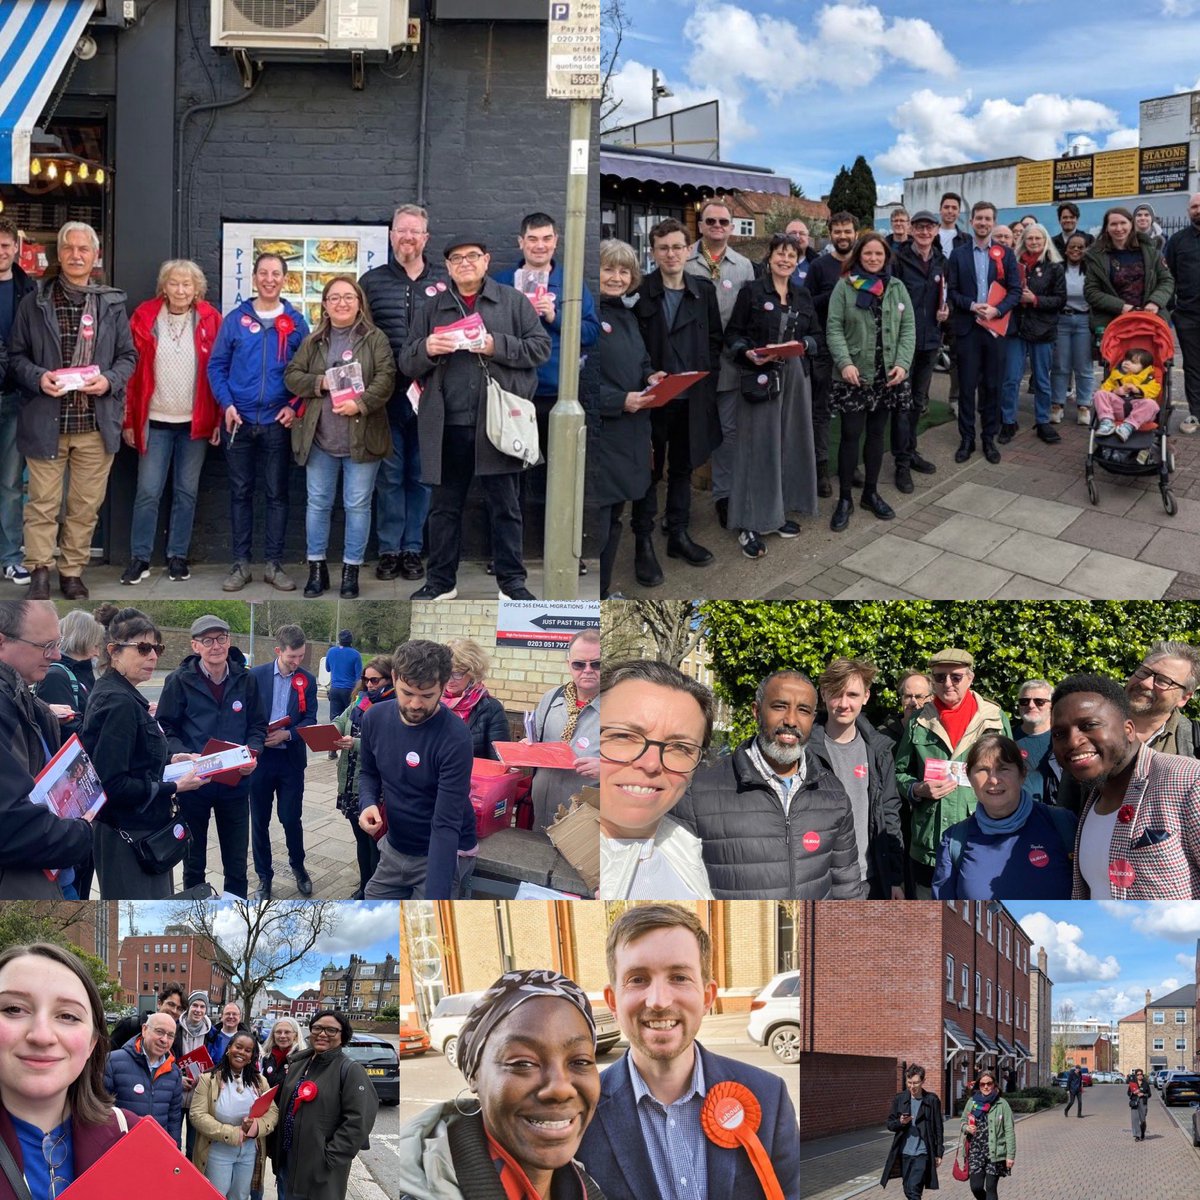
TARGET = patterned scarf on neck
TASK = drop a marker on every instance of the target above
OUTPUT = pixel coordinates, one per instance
(870, 288)
(571, 701)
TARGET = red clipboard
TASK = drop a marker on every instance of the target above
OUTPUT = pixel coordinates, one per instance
(145, 1156)
(997, 326)
(782, 350)
(282, 723)
(320, 737)
(228, 778)
(665, 390)
(558, 755)
(264, 1102)
(199, 1057)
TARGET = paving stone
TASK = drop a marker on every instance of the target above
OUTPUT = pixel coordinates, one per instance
(1021, 587)
(1172, 548)
(891, 559)
(1039, 557)
(975, 499)
(1107, 577)
(971, 537)
(952, 577)
(1113, 534)
(1038, 515)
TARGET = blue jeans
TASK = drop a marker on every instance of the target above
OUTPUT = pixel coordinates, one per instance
(402, 500)
(12, 493)
(231, 1168)
(164, 447)
(268, 446)
(358, 482)
(1013, 350)
(1074, 357)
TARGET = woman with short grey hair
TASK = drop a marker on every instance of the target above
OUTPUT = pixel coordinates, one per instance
(69, 681)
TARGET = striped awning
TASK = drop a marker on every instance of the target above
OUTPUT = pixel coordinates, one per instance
(36, 40)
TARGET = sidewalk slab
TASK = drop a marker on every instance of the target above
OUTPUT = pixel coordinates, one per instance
(952, 577)
(1114, 535)
(1021, 587)
(1037, 556)
(1038, 515)
(890, 559)
(975, 500)
(971, 537)
(1107, 577)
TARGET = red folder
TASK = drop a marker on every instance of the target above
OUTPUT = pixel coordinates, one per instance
(559, 755)
(147, 1157)
(282, 723)
(200, 1057)
(320, 737)
(228, 778)
(997, 326)
(260, 1106)
(667, 389)
(782, 350)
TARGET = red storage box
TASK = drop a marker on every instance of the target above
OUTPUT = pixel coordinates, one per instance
(493, 797)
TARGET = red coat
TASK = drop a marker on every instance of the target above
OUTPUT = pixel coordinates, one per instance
(205, 412)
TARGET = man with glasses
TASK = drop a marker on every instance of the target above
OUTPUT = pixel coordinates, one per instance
(914, 691)
(452, 413)
(569, 713)
(680, 320)
(931, 757)
(1033, 736)
(217, 1039)
(211, 695)
(395, 291)
(144, 1078)
(772, 818)
(712, 258)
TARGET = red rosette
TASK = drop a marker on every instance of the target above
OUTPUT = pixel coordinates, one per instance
(306, 1091)
(284, 328)
(730, 1117)
(300, 686)
(1125, 814)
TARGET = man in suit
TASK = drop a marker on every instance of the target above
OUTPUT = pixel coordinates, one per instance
(285, 689)
(646, 1138)
(973, 267)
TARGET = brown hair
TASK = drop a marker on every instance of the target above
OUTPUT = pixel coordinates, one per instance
(854, 258)
(996, 745)
(88, 1100)
(835, 678)
(364, 322)
(665, 228)
(9, 226)
(642, 919)
(382, 663)
(649, 670)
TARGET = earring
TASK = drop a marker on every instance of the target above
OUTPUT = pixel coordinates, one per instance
(463, 1112)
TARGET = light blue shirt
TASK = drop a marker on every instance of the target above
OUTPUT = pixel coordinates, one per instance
(674, 1139)
(982, 258)
(281, 692)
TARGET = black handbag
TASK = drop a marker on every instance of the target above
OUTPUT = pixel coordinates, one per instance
(760, 384)
(160, 851)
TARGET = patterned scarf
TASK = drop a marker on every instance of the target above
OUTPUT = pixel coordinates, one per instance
(513, 1179)
(464, 703)
(713, 264)
(870, 288)
(571, 700)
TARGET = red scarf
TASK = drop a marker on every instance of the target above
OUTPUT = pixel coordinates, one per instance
(512, 1178)
(464, 703)
(957, 719)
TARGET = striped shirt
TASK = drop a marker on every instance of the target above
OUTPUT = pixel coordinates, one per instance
(674, 1140)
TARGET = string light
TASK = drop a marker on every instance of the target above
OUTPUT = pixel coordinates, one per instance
(83, 170)
(35, 167)
(52, 171)
(99, 174)
(68, 178)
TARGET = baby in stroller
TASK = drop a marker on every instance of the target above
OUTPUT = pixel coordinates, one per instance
(1128, 398)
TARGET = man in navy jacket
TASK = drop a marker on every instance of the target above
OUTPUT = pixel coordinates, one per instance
(287, 696)
(646, 1137)
(972, 269)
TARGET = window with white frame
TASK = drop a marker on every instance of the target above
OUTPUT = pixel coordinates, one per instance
(1008, 1007)
(743, 227)
(989, 926)
(1008, 942)
(978, 916)
(949, 976)
(965, 995)
(966, 911)
(1180, 1017)
(1158, 1043)
(1160, 1018)
(979, 992)
(1181, 1043)
(988, 1009)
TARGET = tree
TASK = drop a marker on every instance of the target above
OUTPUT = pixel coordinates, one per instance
(795, 190)
(614, 20)
(840, 196)
(863, 193)
(26, 921)
(667, 630)
(259, 943)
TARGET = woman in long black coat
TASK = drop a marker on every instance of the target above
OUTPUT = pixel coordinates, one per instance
(611, 387)
(917, 1171)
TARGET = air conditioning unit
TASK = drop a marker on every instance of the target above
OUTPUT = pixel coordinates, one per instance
(306, 27)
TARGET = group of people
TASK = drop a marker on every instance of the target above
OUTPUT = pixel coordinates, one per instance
(411, 725)
(1093, 793)
(380, 396)
(537, 1118)
(69, 1092)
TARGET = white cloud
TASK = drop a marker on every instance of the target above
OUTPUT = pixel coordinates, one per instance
(1186, 960)
(1176, 921)
(1168, 985)
(631, 85)
(1068, 960)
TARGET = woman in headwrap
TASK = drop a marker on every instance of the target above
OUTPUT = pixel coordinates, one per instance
(527, 1051)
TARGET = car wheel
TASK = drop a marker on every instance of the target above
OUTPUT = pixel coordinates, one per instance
(450, 1050)
(785, 1043)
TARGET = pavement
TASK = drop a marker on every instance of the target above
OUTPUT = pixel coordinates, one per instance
(1022, 529)
(1095, 1156)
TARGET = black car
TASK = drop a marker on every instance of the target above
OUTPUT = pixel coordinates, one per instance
(1181, 1089)
(381, 1063)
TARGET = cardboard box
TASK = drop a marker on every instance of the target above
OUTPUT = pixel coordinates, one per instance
(576, 835)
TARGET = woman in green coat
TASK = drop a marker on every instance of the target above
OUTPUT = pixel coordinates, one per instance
(1123, 271)
(871, 335)
(344, 372)
(987, 1141)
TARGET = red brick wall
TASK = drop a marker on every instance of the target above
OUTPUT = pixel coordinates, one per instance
(839, 1092)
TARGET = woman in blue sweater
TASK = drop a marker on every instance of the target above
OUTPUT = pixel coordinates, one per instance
(1011, 845)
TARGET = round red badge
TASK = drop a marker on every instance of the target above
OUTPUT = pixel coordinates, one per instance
(1038, 857)
(413, 758)
(860, 771)
(811, 840)
(1120, 873)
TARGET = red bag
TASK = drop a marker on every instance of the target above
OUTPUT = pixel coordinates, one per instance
(959, 1170)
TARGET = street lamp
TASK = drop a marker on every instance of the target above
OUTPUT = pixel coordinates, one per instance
(658, 91)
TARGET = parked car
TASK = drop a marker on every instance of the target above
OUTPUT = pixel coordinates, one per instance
(1087, 1077)
(449, 1016)
(1060, 1080)
(1158, 1076)
(381, 1062)
(1182, 1088)
(414, 1041)
(775, 1017)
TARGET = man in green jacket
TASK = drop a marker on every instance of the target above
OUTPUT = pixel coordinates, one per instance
(932, 754)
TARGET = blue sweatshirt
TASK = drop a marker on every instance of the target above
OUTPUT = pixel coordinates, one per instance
(423, 775)
(345, 666)
(1033, 863)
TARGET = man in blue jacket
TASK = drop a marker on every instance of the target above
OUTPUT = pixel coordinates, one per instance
(646, 1138)
(255, 344)
(287, 697)
(972, 269)
(143, 1077)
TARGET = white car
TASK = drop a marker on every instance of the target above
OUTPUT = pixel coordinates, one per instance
(775, 1017)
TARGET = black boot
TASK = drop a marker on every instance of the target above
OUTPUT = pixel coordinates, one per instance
(680, 545)
(874, 502)
(645, 562)
(349, 589)
(841, 514)
(318, 577)
(824, 487)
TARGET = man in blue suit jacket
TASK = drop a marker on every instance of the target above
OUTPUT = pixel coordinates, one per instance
(285, 689)
(645, 1139)
(973, 267)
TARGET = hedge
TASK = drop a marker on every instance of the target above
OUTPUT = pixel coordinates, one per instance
(1011, 640)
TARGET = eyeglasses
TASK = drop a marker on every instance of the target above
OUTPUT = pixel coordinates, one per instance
(457, 260)
(625, 746)
(217, 639)
(341, 299)
(459, 674)
(414, 234)
(1163, 682)
(47, 648)
(717, 221)
(55, 1154)
(143, 648)
(1033, 701)
(953, 676)
(325, 1031)
(587, 664)
(670, 249)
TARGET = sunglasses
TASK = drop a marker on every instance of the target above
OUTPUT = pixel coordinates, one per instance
(372, 680)
(585, 664)
(143, 648)
(953, 676)
(1034, 701)
(717, 221)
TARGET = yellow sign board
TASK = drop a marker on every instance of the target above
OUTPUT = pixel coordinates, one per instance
(1035, 182)
(1116, 174)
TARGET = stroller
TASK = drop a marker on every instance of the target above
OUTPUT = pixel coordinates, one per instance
(1147, 451)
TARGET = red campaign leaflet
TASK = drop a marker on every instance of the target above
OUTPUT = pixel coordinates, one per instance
(196, 1063)
(943, 768)
(997, 326)
(148, 1156)
(320, 737)
(73, 378)
(782, 350)
(208, 766)
(228, 778)
(535, 284)
(469, 333)
(559, 755)
(282, 723)
(69, 787)
(345, 381)
(665, 390)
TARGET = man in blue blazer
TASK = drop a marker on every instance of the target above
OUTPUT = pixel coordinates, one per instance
(646, 1137)
(285, 689)
(972, 269)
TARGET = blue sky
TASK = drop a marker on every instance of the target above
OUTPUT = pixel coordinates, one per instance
(1104, 954)
(370, 929)
(805, 87)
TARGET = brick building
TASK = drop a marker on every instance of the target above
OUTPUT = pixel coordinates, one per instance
(304, 1005)
(1041, 1036)
(146, 961)
(1090, 1050)
(360, 988)
(1163, 1034)
(93, 928)
(943, 984)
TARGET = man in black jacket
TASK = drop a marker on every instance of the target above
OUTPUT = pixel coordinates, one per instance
(919, 1143)
(774, 821)
(14, 286)
(680, 321)
(395, 291)
(862, 760)
(170, 1001)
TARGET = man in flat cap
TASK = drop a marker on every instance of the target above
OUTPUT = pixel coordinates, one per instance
(931, 757)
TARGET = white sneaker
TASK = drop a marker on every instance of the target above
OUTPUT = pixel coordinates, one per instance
(15, 573)
(1124, 431)
(1056, 414)
(1083, 415)
(1189, 424)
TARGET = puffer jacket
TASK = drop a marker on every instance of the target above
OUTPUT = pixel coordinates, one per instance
(247, 363)
(1039, 322)
(209, 1129)
(753, 851)
(157, 1094)
(926, 738)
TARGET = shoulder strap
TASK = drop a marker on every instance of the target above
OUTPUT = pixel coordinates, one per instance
(558, 691)
(11, 1172)
(122, 1123)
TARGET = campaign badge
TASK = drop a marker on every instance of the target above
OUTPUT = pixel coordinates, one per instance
(811, 840)
(413, 758)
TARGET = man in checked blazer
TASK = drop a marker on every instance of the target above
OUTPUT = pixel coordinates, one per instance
(646, 1137)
